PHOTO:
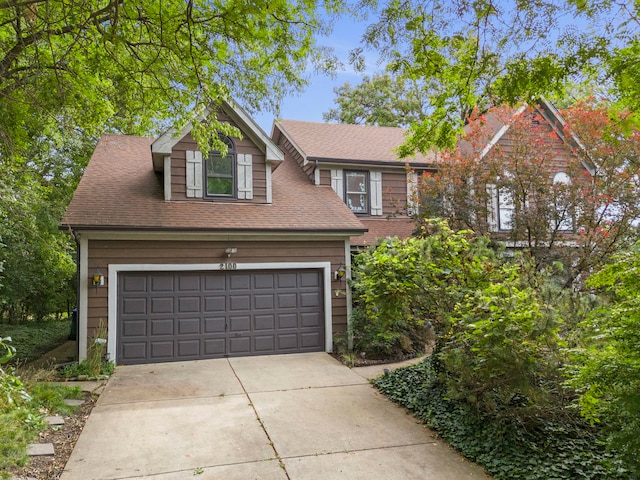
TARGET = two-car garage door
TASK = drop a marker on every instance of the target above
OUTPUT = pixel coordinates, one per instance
(171, 316)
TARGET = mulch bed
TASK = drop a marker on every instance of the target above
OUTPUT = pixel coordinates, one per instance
(63, 437)
(366, 362)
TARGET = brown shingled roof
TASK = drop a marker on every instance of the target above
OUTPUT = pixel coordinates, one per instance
(119, 190)
(382, 227)
(339, 141)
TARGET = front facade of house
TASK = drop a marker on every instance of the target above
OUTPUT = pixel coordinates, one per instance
(184, 257)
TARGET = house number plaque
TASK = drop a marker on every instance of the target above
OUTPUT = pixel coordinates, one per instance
(228, 266)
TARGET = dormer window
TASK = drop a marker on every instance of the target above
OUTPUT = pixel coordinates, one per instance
(220, 171)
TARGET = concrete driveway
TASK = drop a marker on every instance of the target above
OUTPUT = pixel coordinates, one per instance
(285, 417)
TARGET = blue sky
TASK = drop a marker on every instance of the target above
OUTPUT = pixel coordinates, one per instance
(318, 96)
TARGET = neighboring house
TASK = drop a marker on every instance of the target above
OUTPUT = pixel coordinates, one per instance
(513, 164)
(183, 257)
(360, 164)
(549, 124)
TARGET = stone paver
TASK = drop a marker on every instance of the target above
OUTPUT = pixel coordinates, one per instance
(73, 402)
(38, 449)
(54, 420)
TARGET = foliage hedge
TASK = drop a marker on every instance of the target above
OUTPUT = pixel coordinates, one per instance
(556, 447)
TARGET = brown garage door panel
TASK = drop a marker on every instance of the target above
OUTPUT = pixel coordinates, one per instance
(171, 316)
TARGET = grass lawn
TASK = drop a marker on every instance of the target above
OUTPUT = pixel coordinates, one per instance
(33, 339)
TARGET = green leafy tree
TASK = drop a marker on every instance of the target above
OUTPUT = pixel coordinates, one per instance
(485, 53)
(382, 100)
(70, 71)
(607, 369)
(39, 271)
(114, 65)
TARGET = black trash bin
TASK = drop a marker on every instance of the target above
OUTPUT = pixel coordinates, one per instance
(73, 334)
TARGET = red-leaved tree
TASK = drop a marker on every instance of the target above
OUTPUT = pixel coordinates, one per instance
(561, 187)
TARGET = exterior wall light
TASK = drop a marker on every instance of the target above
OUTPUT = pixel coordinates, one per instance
(340, 272)
(97, 279)
(230, 251)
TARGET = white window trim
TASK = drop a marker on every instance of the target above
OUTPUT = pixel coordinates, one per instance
(492, 220)
(368, 184)
(115, 269)
(509, 205)
(268, 180)
(167, 177)
(563, 226)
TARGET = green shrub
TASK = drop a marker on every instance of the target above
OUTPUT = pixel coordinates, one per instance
(606, 369)
(502, 352)
(83, 368)
(94, 366)
(377, 340)
(401, 286)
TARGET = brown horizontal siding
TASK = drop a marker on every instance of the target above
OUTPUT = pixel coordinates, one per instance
(103, 253)
(289, 149)
(562, 156)
(325, 177)
(179, 177)
(394, 193)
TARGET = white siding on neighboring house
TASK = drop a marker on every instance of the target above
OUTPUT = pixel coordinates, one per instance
(194, 174)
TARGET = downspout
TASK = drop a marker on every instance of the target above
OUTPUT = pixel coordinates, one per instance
(77, 329)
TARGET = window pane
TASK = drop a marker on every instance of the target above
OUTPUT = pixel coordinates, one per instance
(357, 203)
(217, 165)
(219, 186)
(356, 182)
(506, 218)
(506, 209)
